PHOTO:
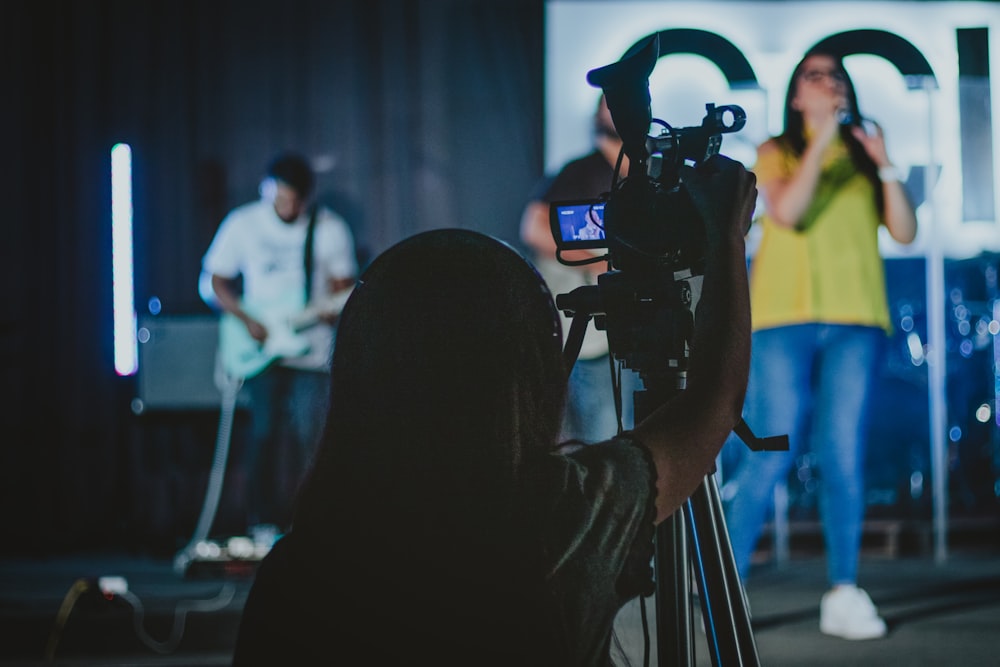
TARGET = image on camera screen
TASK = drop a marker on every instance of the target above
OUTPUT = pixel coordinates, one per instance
(578, 224)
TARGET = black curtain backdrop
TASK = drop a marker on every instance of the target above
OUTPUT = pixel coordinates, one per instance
(419, 114)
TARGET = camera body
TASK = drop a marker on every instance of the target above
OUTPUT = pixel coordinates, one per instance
(647, 221)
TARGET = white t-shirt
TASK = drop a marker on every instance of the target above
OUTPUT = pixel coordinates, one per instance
(253, 242)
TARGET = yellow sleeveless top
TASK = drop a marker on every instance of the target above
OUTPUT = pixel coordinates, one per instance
(828, 269)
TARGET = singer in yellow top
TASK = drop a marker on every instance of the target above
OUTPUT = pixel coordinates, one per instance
(820, 316)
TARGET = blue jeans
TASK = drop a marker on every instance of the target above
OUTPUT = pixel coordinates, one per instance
(812, 382)
(590, 407)
(288, 409)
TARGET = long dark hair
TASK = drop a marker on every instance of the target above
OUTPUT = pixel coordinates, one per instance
(793, 136)
(448, 350)
(447, 381)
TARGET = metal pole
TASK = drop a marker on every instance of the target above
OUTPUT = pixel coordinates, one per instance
(936, 397)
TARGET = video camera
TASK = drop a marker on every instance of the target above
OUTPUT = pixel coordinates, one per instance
(656, 243)
(646, 221)
(654, 236)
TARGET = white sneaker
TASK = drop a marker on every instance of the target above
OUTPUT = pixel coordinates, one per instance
(848, 612)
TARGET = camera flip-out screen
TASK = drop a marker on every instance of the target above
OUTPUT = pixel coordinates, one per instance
(578, 224)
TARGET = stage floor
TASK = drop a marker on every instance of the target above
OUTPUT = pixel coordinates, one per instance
(938, 614)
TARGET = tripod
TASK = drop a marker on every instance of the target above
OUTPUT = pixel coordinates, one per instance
(697, 531)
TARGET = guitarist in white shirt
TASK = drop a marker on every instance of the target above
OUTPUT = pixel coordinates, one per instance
(274, 339)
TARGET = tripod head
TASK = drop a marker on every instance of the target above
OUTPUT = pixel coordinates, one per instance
(649, 324)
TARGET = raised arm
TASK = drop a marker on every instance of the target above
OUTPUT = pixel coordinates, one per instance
(788, 199)
(685, 434)
(898, 215)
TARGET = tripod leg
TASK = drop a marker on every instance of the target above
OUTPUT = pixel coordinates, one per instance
(674, 636)
(727, 620)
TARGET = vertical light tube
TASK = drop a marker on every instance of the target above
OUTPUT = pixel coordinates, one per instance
(125, 346)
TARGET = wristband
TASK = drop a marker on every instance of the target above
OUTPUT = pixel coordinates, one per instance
(889, 173)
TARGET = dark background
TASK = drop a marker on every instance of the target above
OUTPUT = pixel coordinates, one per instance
(427, 114)
(430, 113)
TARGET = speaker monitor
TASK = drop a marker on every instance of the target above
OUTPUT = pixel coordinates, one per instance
(177, 362)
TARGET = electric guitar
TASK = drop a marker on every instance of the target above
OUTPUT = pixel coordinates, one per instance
(242, 356)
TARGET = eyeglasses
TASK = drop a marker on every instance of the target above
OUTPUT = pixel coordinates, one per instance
(817, 75)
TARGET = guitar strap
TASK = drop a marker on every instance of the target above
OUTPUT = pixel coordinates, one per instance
(310, 230)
